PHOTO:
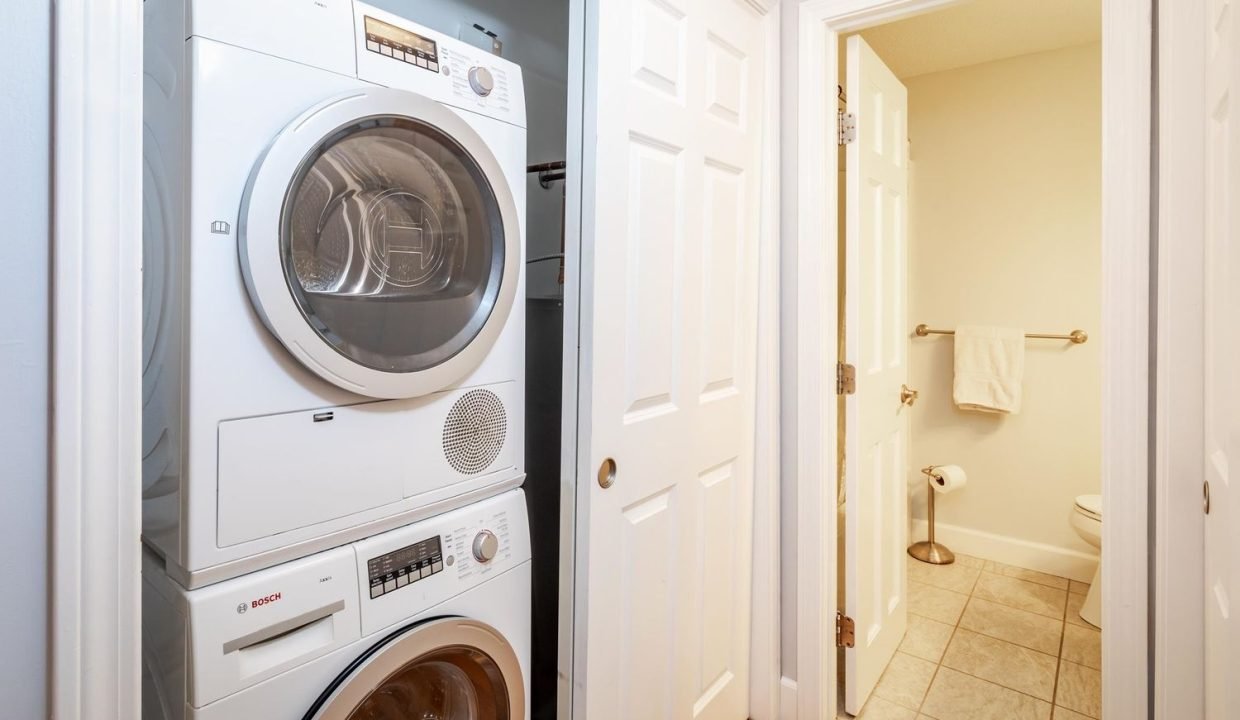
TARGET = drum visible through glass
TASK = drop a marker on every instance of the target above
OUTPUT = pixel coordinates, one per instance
(457, 683)
(393, 244)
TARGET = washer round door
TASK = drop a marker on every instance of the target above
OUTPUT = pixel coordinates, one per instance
(445, 669)
(380, 243)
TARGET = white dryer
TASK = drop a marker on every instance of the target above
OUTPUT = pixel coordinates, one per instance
(334, 263)
(427, 621)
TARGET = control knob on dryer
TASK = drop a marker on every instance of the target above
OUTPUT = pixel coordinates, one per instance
(486, 545)
(481, 80)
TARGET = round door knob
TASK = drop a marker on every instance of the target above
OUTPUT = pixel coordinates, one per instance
(607, 473)
(908, 396)
(481, 80)
(486, 545)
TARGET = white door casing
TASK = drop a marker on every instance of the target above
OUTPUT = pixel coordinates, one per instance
(876, 343)
(809, 217)
(675, 92)
(1221, 436)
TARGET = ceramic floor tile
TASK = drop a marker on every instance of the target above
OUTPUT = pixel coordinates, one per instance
(956, 696)
(926, 638)
(1075, 602)
(905, 680)
(1021, 594)
(877, 708)
(1024, 628)
(935, 603)
(1002, 663)
(989, 641)
(1040, 578)
(1083, 646)
(1080, 689)
(955, 577)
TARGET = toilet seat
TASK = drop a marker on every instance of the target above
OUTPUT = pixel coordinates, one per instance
(1090, 505)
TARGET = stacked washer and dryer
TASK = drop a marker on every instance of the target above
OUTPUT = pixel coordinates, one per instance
(334, 361)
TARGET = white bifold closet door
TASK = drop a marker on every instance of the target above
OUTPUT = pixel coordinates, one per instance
(1221, 436)
(876, 472)
(674, 104)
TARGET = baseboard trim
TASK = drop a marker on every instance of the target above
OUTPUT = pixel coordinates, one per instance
(1063, 562)
(787, 699)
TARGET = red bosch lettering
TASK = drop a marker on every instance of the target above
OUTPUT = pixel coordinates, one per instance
(265, 600)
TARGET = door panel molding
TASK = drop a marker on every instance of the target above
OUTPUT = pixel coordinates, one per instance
(876, 341)
(671, 235)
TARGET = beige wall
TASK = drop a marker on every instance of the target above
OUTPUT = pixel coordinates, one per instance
(1005, 230)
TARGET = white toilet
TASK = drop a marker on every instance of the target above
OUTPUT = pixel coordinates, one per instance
(1087, 521)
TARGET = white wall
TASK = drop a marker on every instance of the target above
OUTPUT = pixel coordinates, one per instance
(535, 36)
(1005, 230)
(25, 58)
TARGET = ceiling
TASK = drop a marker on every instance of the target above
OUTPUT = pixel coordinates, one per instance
(978, 31)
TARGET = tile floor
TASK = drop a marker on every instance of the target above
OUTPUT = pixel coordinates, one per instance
(987, 641)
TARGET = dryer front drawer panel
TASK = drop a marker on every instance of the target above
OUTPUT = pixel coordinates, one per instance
(294, 470)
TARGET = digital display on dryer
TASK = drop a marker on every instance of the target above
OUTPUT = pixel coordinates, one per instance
(401, 44)
(407, 565)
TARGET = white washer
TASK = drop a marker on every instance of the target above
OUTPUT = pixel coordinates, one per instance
(334, 263)
(415, 622)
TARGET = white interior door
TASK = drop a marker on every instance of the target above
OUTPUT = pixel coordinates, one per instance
(674, 103)
(1221, 435)
(876, 343)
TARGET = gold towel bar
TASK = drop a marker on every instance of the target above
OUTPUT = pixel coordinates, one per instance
(1077, 337)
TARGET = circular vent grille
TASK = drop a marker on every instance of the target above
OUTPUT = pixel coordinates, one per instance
(474, 432)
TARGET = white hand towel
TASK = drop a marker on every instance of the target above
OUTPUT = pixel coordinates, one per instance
(990, 369)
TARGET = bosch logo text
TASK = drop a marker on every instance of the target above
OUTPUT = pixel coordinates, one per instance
(264, 600)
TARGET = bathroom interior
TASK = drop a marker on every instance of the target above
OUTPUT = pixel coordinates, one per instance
(1003, 237)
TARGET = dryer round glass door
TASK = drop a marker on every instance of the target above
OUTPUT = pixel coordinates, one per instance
(381, 243)
(448, 669)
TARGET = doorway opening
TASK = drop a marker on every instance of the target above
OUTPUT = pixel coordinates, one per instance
(970, 188)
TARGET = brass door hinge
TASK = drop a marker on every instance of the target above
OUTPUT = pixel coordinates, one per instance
(845, 379)
(845, 631)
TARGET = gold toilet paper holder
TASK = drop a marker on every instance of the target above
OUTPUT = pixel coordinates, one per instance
(928, 551)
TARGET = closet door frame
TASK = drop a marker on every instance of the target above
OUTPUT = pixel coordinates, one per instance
(95, 360)
(811, 39)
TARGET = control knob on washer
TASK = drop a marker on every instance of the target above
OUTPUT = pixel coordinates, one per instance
(481, 80)
(486, 545)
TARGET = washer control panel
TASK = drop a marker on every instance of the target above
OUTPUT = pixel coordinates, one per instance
(484, 545)
(409, 564)
(405, 571)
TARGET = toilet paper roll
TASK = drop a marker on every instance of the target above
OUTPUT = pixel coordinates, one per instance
(948, 478)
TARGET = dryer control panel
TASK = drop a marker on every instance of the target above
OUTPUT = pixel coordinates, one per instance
(401, 44)
(397, 53)
(410, 570)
